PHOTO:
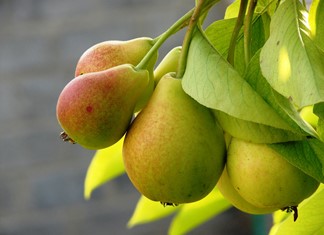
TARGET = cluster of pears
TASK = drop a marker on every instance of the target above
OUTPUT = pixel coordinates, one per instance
(174, 150)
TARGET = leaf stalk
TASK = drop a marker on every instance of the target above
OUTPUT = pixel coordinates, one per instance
(248, 31)
(158, 41)
(236, 31)
(187, 38)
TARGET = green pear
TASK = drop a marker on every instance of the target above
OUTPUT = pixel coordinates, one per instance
(168, 64)
(108, 54)
(228, 191)
(95, 109)
(308, 115)
(264, 178)
(174, 151)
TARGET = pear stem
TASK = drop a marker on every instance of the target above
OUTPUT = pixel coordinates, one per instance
(236, 30)
(158, 41)
(248, 31)
(187, 39)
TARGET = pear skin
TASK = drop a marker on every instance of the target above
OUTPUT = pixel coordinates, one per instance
(95, 109)
(228, 191)
(108, 54)
(174, 151)
(264, 178)
(168, 64)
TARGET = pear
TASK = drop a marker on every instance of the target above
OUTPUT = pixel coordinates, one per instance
(262, 177)
(95, 109)
(174, 151)
(228, 191)
(168, 64)
(308, 116)
(226, 188)
(108, 54)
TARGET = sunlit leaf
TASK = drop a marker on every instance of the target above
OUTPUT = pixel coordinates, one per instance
(148, 211)
(316, 19)
(194, 214)
(262, 7)
(214, 83)
(282, 105)
(232, 10)
(279, 216)
(290, 60)
(106, 164)
(310, 217)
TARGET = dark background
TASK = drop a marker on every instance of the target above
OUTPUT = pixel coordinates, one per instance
(41, 178)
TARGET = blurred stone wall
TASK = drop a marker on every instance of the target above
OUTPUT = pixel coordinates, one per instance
(41, 178)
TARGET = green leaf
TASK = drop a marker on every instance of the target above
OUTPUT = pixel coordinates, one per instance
(262, 6)
(290, 60)
(280, 104)
(148, 211)
(254, 132)
(319, 111)
(232, 10)
(194, 214)
(307, 155)
(213, 82)
(316, 19)
(267, 6)
(219, 35)
(105, 165)
(279, 216)
(310, 217)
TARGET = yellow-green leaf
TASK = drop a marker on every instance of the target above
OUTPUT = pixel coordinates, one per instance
(232, 10)
(194, 214)
(310, 217)
(316, 17)
(213, 82)
(290, 60)
(148, 211)
(279, 216)
(106, 164)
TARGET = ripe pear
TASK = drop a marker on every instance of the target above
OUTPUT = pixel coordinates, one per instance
(264, 178)
(174, 151)
(228, 191)
(168, 64)
(95, 109)
(108, 54)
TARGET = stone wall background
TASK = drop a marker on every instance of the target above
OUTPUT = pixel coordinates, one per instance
(41, 178)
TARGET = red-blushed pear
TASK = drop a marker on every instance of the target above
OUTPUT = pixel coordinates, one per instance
(264, 178)
(228, 191)
(108, 54)
(168, 64)
(174, 151)
(95, 109)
